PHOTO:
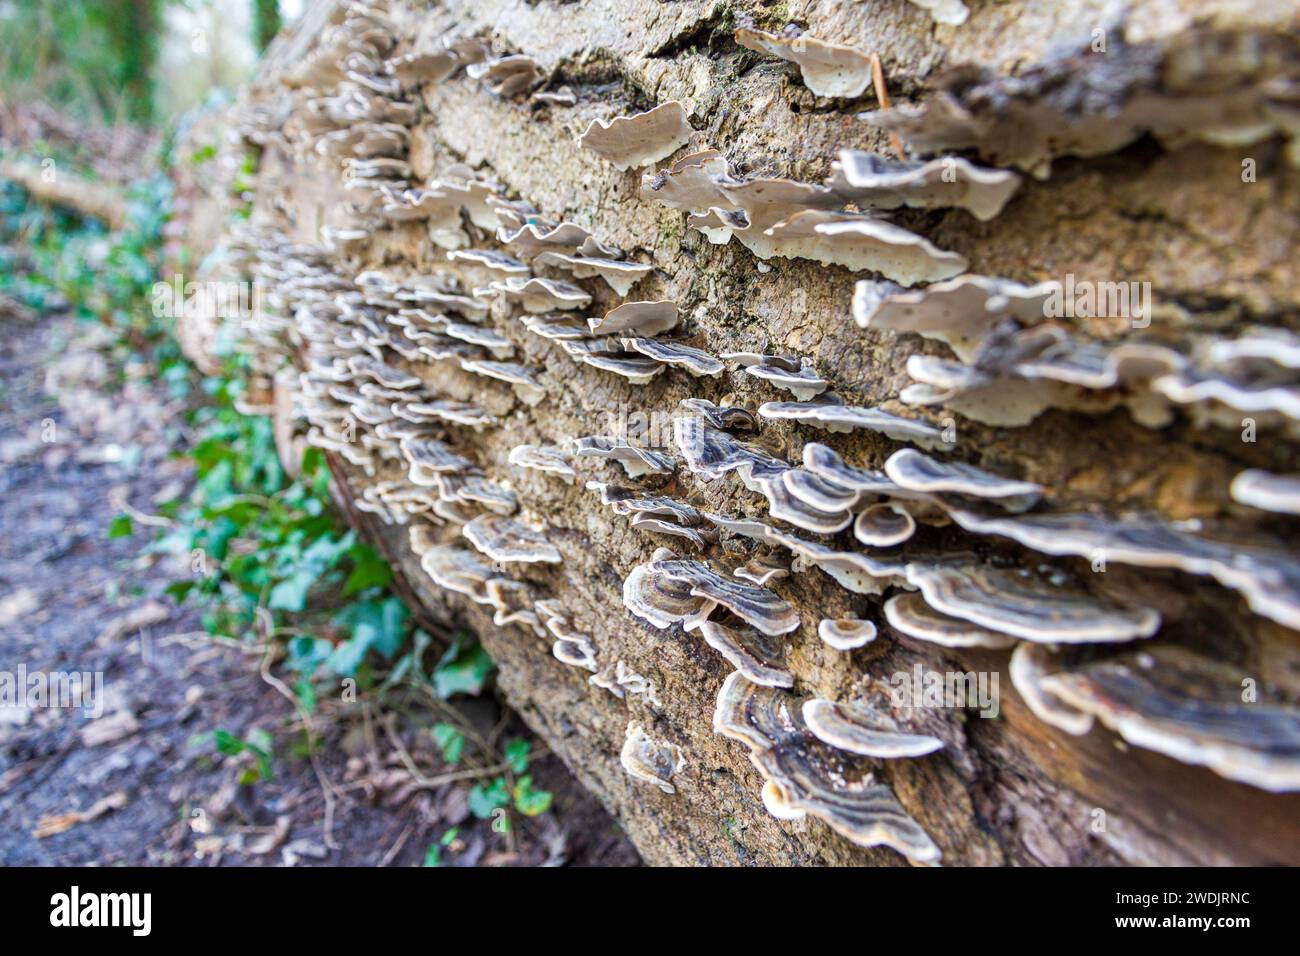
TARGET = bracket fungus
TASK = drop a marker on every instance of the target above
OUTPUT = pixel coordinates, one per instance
(860, 728)
(796, 376)
(505, 540)
(829, 412)
(862, 243)
(507, 75)
(1029, 664)
(884, 525)
(828, 69)
(784, 506)
(1145, 699)
(636, 461)
(722, 416)
(910, 615)
(619, 275)
(662, 601)
(696, 361)
(758, 607)
(490, 259)
(877, 182)
(917, 472)
(806, 776)
(639, 318)
(1268, 578)
(538, 295)
(820, 492)
(760, 657)
(949, 12)
(429, 457)
(1267, 491)
(528, 389)
(546, 458)
(640, 139)
(1025, 605)
(648, 760)
(846, 633)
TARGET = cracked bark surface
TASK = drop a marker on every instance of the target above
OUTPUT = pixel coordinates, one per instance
(1219, 254)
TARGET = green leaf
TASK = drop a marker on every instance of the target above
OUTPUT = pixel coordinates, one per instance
(433, 855)
(121, 527)
(516, 753)
(369, 570)
(462, 670)
(291, 593)
(528, 801)
(227, 743)
(450, 740)
(485, 799)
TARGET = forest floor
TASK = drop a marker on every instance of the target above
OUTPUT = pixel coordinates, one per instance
(143, 783)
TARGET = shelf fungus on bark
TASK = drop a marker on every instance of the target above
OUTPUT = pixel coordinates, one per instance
(528, 389)
(711, 452)
(819, 492)
(382, 373)
(618, 274)
(846, 633)
(860, 728)
(765, 565)
(1256, 375)
(510, 542)
(1030, 663)
(760, 657)
(1027, 605)
(806, 776)
(959, 312)
(571, 647)
(696, 361)
(491, 259)
(784, 506)
(853, 570)
(550, 459)
(758, 607)
(507, 75)
(828, 69)
(557, 329)
(639, 318)
(459, 570)
(1212, 86)
(914, 471)
(662, 601)
(722, 416)
(445, 410)
(648, 760)
(531, 239)
(878, 182)
(690, 184)
(428, 458)
(1268, 577)
(795, 375)
(829, 412)
(862, 243)
(539, 295)
(1267, 491)
(884, 525)
(1190, 708)
(910, 615)
(640, 139)
(636, 461)
(606, 356)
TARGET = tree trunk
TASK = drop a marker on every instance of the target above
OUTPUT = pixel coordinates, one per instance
(1143, 198)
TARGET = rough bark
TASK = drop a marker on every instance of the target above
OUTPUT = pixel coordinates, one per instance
(1219, 253)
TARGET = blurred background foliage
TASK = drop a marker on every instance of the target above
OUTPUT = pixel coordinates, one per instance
(136, 61)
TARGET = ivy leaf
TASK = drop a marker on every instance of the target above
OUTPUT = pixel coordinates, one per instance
(483, 800)
(369, 570)
(516, 753)
(462, 670)
(291, 593)
(450, 740)
(531, 802)
(121, 527)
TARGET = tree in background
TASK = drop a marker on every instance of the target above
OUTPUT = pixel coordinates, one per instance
(266, 22)
(132, 28)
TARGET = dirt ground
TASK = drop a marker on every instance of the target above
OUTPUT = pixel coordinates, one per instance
(144, 783)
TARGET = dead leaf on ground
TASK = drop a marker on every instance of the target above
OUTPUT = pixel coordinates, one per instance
(56, 823)
(106, 730)
(149, 613)
(270, 841)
